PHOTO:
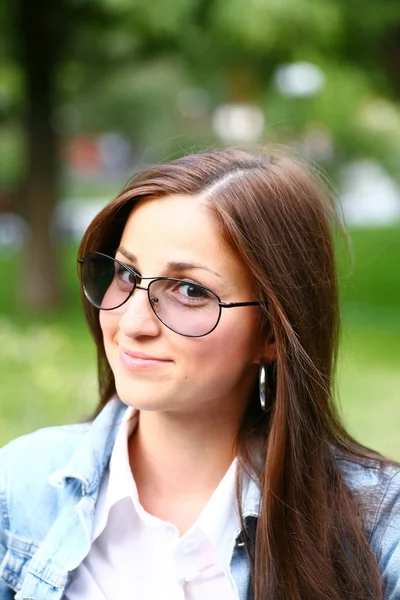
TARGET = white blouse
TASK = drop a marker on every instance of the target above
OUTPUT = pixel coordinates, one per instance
(139, 556)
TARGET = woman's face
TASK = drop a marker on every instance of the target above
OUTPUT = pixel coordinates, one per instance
(155, 368)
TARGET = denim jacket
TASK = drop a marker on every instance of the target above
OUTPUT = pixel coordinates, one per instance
(49, 482)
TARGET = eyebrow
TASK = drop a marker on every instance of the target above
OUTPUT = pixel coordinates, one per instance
(172, 265)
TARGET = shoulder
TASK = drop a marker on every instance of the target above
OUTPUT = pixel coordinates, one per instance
(376, 484)
(44, 475)
(34, 457)
(39, 453)
(27, 464)
(49, 468)
(368, 474)
(28, 503)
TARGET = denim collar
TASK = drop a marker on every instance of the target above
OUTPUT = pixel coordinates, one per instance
(93, 452)
(92, 455)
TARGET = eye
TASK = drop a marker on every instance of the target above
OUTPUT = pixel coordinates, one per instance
(124, 277)
(189, 293)
(191, 290)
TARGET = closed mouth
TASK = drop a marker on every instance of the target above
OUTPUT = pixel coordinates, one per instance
(142, 355)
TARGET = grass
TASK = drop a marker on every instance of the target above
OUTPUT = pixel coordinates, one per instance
(369, 384)
(47, 365)
(48, 376)
(369, 365)
(375, 279)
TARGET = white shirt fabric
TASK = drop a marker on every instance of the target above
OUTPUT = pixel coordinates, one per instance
(139, 556)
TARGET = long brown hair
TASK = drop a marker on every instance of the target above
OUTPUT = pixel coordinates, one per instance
(277, 218)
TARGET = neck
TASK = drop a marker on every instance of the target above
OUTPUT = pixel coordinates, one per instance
(178, 461)
(184, 454)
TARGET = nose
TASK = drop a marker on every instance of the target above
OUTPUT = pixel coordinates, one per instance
(138, 318)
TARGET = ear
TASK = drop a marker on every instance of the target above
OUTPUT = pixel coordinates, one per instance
(268, 352)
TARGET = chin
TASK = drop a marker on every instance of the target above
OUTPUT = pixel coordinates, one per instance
(142, 397)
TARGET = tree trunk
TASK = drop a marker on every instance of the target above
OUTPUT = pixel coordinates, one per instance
(392, 54)
(40, 42)
(41, 288)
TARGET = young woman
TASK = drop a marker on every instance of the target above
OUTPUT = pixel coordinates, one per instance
(216, 466)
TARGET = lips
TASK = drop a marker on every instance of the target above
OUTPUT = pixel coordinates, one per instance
(141, 355)
(136, 361)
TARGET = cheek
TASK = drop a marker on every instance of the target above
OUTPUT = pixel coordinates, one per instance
(239, 335)
(109, 326)
(104, 323)
(225, 355)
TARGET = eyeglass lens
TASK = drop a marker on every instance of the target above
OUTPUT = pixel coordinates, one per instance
(186, 308)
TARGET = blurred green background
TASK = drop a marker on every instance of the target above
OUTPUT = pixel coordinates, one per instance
(91, 91)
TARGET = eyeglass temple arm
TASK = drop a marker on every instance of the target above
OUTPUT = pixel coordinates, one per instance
(234, 304)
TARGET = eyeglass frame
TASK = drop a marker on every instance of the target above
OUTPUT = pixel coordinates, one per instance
(131, 270)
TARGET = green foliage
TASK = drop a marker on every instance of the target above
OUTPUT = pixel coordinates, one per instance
(124, 64)
(277, 25)
(159, 19)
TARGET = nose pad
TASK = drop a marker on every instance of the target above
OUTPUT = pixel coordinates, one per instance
(138, 317)
(155, 303)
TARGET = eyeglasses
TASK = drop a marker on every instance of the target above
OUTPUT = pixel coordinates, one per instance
(183, 306)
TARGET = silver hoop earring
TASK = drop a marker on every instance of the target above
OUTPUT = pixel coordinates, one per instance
(263, 385)
(267, 383)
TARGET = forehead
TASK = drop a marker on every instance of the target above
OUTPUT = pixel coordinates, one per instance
(174, 228)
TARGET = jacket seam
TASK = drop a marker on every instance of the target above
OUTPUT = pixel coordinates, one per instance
(377, 512)
(24, 547)
(367, 465)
